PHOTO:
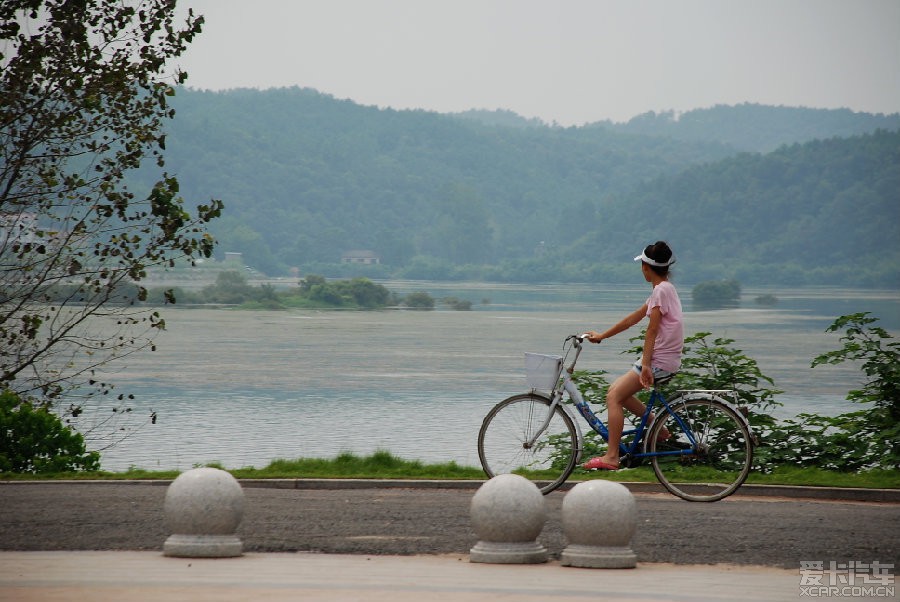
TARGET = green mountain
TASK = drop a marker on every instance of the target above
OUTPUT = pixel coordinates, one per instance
(759, 128)
(826, 211)
(306, 177)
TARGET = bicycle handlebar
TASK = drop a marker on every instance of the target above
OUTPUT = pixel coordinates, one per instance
(577, 341)
(578, 338)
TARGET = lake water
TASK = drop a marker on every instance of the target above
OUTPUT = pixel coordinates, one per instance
(244, 387)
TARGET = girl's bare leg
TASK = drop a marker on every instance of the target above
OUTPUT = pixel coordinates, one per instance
(619, 398)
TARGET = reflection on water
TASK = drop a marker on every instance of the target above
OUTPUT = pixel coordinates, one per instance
(243, 388)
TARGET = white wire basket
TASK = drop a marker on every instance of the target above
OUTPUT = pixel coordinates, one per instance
(542, 371)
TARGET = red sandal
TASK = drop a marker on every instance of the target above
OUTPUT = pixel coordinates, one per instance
(598, 464)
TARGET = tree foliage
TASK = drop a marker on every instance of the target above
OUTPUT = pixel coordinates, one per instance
(718, 364)
(716, 294)
(230, 288)
(419, 300)
(879, 356)
(84, 92)
(862, 439)
(33, 439)
(357, 292)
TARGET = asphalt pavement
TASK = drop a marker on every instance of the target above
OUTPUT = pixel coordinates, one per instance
(403, 541)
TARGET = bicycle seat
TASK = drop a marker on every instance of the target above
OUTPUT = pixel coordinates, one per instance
(663, 380)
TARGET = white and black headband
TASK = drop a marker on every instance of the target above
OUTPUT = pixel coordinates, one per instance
(659, 264)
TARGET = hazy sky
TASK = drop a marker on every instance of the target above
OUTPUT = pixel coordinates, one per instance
(566, 61)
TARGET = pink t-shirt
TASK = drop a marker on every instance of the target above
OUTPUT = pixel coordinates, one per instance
(670, 338)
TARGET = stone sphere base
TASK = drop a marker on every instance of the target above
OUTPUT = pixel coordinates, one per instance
(598, 557)
(203, 546)
(508, 553)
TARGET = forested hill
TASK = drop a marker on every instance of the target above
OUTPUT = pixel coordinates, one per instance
(746, 127)
(306, 177)
(752, 127)
(820, 212)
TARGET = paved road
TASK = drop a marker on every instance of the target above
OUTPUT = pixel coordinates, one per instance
(775, 532)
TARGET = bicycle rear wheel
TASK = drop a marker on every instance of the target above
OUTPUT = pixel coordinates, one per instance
(507, 442)
(718, 460)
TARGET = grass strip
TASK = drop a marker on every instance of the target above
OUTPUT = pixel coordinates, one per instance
(384, 465)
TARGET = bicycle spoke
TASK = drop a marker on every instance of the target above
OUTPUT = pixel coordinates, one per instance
(715, 463)
(507, 443)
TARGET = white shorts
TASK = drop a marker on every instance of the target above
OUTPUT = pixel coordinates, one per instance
(658, 373)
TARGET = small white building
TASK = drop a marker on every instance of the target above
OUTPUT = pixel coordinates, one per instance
(360, 256)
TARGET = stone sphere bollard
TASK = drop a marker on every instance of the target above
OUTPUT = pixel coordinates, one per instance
(508, 513)
(203, 509)
(599, 519)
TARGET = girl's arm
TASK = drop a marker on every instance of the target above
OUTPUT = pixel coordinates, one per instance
(649, 345)
(624, 324)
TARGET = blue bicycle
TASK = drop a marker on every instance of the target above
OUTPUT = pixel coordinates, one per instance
(705, 458)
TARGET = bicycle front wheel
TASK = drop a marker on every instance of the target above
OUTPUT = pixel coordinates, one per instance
(511, 440)
(710, 464)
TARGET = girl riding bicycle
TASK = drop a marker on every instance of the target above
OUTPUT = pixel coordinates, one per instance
(661, 355)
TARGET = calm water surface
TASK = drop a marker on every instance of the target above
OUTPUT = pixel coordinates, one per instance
(244, 387)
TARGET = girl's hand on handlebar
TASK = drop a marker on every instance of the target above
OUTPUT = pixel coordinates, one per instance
(592, 336)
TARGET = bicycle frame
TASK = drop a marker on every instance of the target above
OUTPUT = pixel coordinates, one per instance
(632, 451)
(637, 446)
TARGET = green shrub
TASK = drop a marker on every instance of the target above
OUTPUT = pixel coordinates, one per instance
(354, 293)
(867, 438)
(457, 303)
(34, 440)
(419, 300)
(715, 294)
